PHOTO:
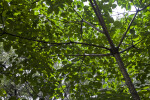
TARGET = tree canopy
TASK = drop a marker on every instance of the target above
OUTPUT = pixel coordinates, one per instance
(74, 50)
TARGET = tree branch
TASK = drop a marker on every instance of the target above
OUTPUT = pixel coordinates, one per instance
(108, 54)
(131, 23)
(88, 22)
(133, 46)
(124, 35)
(93, 26)
(102, 23)
(54, 44)
(115, 52)
(144, 7)
(126, 49)
(90, 45)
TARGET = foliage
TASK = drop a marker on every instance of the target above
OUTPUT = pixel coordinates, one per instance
(57, 45)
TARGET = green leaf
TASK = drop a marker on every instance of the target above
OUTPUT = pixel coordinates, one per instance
(114, 6)
(40, 59)
(13, 98)
(6, 46)
(117, 24)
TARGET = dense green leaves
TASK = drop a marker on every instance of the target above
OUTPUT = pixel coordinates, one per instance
(48, 47)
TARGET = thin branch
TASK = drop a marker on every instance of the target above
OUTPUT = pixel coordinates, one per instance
(88, 22)
(64, 91)
(93, 26)
(90, 45)
(77, 13)
(126, 49)
(35, 1)
(30, 39)
(54, 44)
(131, 23)
(108, 54)
(124, 35)
(144, 7)
(133, 4)
(133, 46)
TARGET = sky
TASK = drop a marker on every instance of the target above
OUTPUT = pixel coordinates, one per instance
(118, 12)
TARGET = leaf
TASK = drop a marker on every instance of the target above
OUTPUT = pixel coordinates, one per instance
(114, 6)
(40, 58)
(6, 46)
(13, 98)
(132, 31)
(117, 24)
(110, 19)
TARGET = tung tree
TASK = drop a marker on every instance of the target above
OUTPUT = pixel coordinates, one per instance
(76, 49)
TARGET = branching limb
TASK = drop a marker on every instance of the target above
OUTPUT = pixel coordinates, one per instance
(116, 54)
(88, 22)
(124, 35)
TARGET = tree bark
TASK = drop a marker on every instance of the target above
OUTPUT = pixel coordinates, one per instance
(115, 51)
(128, 81)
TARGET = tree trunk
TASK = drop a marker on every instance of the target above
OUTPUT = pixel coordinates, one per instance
(126, 77)
(115, 50)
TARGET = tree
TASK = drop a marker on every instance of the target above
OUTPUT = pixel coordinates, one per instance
(66, 49)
